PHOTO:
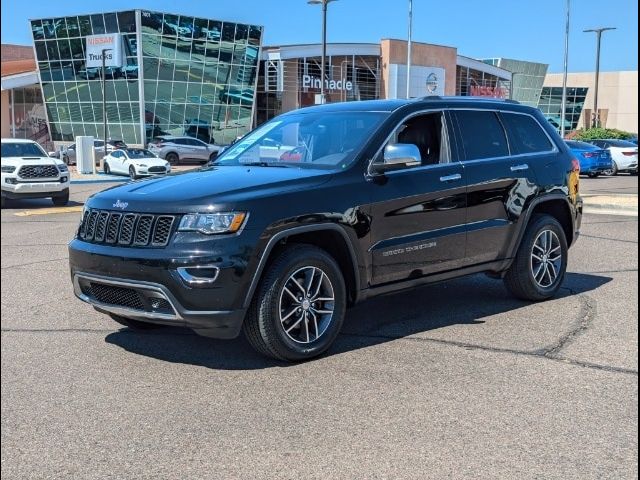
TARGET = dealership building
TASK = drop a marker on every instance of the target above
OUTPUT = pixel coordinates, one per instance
(214, 80)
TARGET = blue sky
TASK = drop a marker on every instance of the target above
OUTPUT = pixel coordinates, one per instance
(522, 29)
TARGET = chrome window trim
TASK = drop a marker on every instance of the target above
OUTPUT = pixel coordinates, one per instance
(554, 149)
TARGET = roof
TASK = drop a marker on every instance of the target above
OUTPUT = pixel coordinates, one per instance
(433, 101)
(284, 52)
(17, 140)
(14, 67)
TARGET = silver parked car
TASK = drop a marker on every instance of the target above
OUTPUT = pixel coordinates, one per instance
(174, 149)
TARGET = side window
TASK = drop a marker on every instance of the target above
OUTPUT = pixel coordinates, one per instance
(482, 134)
(428, 132)
(178, 141)
(525, 134)
(117, 154)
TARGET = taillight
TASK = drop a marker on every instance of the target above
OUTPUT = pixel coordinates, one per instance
(575, 165)
(628, 154)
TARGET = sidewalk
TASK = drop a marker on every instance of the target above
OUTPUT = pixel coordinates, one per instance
(618, 204)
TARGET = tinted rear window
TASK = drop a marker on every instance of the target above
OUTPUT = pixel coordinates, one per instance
(580, 145)
(482, 134)
(621, 143)
(526, 135)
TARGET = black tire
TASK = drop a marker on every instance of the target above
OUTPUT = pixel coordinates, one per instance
(613, 171)
(172, 158)
(520, 279)
(3, 202)
(263, 326)
(213, 156)
(134, 324)
(106, 168)
(593, 175)
(62, 199)
(132, 173)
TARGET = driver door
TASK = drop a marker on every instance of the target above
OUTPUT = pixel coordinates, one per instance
(418, 213)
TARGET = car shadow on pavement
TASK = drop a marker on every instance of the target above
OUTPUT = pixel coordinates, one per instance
(379, 320)
(35, 204)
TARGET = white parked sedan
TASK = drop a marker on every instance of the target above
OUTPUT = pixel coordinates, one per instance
(623, 153)
(135, 162)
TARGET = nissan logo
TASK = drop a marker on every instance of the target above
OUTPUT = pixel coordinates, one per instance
(432, 83)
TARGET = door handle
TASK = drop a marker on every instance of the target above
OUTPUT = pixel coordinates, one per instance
(451, 178)
(519, 168)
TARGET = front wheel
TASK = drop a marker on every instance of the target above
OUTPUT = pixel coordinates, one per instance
(541, 262)
(132, 173)
(62, 199)
(299, 306)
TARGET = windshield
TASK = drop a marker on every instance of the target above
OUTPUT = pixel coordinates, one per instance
(312, 140)
(139, 153)
(22, 150)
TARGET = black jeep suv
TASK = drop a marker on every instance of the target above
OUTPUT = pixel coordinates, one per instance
(326, 206)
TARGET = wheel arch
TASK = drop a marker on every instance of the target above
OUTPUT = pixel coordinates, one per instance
(329, 237)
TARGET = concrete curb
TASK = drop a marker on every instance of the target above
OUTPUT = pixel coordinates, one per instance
(620, 204)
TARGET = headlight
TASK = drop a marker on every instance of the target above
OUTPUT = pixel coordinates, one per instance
(211, 223)
(62, 168)
(8, 168)
(141, 164)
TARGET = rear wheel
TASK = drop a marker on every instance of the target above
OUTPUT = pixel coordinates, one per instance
(540, 264)
(612, 171)
(213, 156)
(134, 324)
(106, 168)
(61, 199)
(299, 306)
(593, 175)
(172, 158)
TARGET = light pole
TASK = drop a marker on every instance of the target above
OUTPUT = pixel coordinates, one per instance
(409, 47)
(598, 32)
(324, 4)
(104, 99)
(563, 103)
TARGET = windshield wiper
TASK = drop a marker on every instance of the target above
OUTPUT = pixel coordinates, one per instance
(265, 164)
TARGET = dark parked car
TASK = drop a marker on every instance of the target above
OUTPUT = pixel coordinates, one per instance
(594, 161)
(381, 196)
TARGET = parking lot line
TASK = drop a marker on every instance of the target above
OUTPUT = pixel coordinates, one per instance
(47, 211)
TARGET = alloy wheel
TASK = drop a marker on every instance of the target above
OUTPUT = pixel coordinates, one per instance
(307, 303)
(546, 258)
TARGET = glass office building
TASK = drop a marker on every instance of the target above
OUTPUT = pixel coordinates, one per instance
(551, 106)
(180, 75)
(527, 78)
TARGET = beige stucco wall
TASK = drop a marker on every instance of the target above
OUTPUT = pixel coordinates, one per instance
(5, 115)
(422, 54)
(617, 96)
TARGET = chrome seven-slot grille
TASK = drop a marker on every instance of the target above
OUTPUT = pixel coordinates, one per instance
(38, 171)
(134, 229)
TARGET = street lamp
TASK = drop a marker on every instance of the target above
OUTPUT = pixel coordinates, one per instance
(324, 4)
(598, 32)
(563, 103)
(409, 46)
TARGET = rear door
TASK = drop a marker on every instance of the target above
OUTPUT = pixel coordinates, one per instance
(499, 183)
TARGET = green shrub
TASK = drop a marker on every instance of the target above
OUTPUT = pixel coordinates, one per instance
(595, 133)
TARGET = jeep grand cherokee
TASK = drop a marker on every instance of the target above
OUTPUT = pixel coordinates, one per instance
(363, 198)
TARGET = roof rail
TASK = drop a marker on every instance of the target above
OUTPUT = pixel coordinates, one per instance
(465, 98)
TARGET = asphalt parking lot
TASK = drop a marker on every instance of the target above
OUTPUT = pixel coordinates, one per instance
(448, 381)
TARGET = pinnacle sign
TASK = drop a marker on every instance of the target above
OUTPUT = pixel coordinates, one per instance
(112, 42)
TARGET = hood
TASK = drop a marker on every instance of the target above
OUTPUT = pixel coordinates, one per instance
(197, 190)
(19, 161)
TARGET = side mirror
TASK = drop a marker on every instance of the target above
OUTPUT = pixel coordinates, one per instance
(399, 155)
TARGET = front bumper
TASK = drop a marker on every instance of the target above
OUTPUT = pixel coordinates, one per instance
(38, 189)
(145, 284)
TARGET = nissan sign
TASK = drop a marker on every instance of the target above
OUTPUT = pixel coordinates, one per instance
(111, 43)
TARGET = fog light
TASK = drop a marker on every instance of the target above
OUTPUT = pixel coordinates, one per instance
(63, 179)
(11, 181)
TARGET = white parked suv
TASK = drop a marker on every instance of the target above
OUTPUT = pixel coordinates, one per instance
(28, 172)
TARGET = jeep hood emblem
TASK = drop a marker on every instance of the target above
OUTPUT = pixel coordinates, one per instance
(120, 205)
